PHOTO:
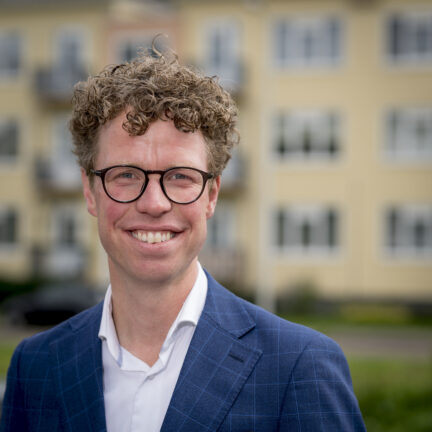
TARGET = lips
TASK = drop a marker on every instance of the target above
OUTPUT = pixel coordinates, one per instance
(152, 236)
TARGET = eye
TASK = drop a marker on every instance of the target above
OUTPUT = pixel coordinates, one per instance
(178, 176)
(125, 175)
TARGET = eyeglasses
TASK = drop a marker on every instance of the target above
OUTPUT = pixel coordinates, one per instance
(126, 183)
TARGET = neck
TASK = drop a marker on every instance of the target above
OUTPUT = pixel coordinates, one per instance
(143, 313)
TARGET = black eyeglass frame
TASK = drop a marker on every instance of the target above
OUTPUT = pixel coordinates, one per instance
(102, 172)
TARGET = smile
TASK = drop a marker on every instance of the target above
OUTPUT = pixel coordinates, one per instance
(153, 236)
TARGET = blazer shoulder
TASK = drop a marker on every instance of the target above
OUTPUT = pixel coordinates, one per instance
(261, 327)
(289, 332)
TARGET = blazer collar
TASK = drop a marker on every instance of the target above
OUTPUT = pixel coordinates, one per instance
(216, 366)
(227, 310)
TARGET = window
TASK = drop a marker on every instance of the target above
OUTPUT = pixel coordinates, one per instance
(307, 42)
(66, 226)
(9, 138)
(129, 47)
(408, 230)
(221, 227)
(307, 135)
(222, 52)
(69, 49)
(10, 54)
(62, 141)
(64, 166)
(409, 134)
(8, 227)
(307, 229)
(409, 37)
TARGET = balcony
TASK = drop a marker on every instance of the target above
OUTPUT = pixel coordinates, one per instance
(231, 76)
(65, 262)
(225, 264)
(234, 175)
(57, 177)
(55, 84)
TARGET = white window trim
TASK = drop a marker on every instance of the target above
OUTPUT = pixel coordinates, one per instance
(10, 162)
(397, 160)
(408, 254)
(10, 247)
(228, 74)
(7, 76)
(328, 64)
(300, 160)
(120, 37)
(84, 36)
(301, 254)
(401, 65)
(68, 208)
(65, 170)
(226, 212)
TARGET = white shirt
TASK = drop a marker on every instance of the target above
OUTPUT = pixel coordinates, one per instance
(136, 395)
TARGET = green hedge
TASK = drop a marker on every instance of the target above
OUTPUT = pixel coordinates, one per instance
(395, 395)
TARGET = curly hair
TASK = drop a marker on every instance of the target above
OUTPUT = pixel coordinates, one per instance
(148, 89)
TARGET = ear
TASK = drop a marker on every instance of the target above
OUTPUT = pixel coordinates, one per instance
(213, 196)
(88, 194)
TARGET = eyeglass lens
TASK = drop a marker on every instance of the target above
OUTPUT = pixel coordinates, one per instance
(181, 185)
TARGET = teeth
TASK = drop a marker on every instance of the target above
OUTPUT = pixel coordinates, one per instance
(153, 236)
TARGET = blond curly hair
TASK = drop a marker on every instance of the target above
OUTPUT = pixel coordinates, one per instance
(148, 89)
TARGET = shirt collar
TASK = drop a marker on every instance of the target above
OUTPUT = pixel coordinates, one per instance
(189, 315)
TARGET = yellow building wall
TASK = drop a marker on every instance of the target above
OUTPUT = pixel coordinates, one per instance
(18, 187)
(360, 183)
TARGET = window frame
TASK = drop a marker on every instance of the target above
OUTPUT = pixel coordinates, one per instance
(316, 121)
(301, 21)
(7, 159)
(5, 212)
(405, 153)
(312, 212)
(409, 212)
(412, 58)
(8, 74)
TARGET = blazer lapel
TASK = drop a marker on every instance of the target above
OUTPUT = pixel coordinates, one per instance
(78, 374)
(216, 366)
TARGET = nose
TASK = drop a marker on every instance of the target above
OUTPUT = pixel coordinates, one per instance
(153, 201)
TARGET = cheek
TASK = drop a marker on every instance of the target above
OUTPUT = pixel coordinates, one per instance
(196, 215)
(109, 212)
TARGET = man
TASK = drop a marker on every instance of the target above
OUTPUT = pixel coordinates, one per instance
(169, 348)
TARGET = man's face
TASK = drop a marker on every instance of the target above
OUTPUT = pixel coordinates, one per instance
(122, 226)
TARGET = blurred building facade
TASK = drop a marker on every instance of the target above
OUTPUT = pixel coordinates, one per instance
(332, 183)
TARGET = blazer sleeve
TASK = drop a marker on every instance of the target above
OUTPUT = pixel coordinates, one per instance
(13, 416)
(320, 395)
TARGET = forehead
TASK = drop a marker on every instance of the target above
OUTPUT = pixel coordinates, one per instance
(161, 144)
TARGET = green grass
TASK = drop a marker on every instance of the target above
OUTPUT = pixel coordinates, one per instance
(6, 350)
(395, 395)
(350, 318)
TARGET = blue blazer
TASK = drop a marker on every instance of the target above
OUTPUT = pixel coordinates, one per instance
(245, 370)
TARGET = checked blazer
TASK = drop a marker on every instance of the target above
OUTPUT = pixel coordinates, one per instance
(245, 370)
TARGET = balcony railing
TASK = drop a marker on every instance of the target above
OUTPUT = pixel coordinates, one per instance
(231, 76)
(233, 177)
(52, 176)
(224, 264)
(55, 83)
(64, 262)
